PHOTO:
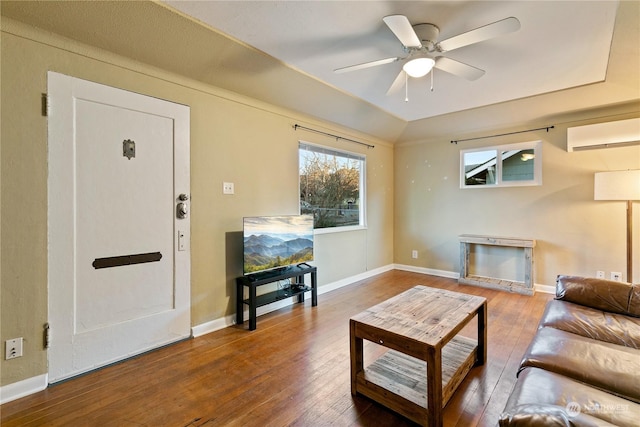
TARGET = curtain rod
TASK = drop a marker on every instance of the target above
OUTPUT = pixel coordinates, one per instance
(297, 126)
(502, 134)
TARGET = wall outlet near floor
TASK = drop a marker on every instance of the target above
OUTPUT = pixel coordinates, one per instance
(13, 348)
(616, 275)
(414, 254)
(600, 274)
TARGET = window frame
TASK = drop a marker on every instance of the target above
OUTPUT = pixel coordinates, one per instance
(362, 158)
(536, 146)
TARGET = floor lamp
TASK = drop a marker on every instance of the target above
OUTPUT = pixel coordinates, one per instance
(621, 185)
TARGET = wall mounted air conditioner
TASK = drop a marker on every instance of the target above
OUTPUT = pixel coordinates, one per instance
(603, 135)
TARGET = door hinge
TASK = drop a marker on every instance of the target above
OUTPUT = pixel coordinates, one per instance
(45, 105)
(46, 335)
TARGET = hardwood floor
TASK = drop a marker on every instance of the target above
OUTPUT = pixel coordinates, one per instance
(292, 370)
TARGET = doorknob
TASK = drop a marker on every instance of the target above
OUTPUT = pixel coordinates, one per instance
(182, 210)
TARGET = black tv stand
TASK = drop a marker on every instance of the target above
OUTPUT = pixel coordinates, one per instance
(252, 281)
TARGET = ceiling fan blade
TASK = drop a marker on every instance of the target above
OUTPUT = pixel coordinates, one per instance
(398, 83)
(401, 27)
(366, 65)
(458, 68)
(505, 26)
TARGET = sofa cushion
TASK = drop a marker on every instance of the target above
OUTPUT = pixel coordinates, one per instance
(601, 294)
(591, 323)
(542, 398)
(610, 367)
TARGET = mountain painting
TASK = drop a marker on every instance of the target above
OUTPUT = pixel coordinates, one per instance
(277, 241)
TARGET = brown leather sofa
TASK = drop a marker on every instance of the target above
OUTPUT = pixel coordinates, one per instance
(582, 368)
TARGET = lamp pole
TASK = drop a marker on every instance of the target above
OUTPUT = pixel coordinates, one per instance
(629, 241)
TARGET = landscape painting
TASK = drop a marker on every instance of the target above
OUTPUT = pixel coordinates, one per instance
(277, 241)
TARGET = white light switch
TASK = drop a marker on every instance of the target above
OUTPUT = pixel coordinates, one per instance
(227, 188)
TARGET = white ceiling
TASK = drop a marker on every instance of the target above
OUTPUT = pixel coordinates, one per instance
(560, 45)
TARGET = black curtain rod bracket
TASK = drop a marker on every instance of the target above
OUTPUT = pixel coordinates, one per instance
(502, 134)
(337, 137)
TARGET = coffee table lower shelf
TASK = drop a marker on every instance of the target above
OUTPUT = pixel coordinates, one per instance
(399, 381)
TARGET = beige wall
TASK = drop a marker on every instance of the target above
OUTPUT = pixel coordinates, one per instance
(574, 233)
(232, 139)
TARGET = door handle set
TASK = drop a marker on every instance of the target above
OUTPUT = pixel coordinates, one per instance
(182, 208)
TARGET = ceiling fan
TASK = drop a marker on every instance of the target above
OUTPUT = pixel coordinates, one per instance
(421, 44)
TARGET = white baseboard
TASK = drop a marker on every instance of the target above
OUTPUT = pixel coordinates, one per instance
(212, 326)
(23, 388)
(353, 279)
(545, 289)
(430, 271)
(221, 323)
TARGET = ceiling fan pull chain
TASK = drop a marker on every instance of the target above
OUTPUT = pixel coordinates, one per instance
(432, 80)
(406, 87)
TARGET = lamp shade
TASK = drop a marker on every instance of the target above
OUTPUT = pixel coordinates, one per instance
(419, 66)
(617, 185)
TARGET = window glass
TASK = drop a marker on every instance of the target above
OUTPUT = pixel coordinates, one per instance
(501, 166)
(331, 186)
(480, 167)
(517, 165)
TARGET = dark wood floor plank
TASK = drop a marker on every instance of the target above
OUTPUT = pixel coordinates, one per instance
(292, 370)
(502, 330)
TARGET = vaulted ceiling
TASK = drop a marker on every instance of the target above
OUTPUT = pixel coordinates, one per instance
(566, 57)
(558, 46)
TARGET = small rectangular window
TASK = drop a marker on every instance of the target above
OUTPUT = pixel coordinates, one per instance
(502, 166)
(331, 186)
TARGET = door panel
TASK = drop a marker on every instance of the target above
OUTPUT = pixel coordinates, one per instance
(122, 204)
(106, 202)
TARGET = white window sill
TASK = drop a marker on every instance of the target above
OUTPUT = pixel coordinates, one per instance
(330, 230)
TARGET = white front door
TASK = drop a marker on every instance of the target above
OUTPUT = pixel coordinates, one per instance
(119, 259)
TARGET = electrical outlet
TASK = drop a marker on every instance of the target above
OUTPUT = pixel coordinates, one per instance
(616, 275)
(600, 274)
(13, 348)
(414, 254)
(227, 188)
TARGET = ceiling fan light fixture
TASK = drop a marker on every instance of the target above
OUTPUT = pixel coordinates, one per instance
(419, 67)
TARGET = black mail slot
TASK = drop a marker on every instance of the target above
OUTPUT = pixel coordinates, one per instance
(119, 261)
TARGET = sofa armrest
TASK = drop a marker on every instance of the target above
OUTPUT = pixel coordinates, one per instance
(601, 294)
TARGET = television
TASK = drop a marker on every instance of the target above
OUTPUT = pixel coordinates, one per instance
(276, 242)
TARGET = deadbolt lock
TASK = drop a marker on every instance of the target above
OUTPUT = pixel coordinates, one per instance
(182, 210)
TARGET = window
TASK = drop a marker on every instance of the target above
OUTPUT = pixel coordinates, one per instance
(331, 186)
(502, 166)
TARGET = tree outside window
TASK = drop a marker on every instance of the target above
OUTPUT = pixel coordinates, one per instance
(331, 184)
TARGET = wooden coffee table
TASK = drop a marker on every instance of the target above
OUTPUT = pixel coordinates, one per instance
(419, 326)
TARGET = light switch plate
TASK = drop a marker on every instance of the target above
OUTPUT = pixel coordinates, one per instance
(13, 348)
